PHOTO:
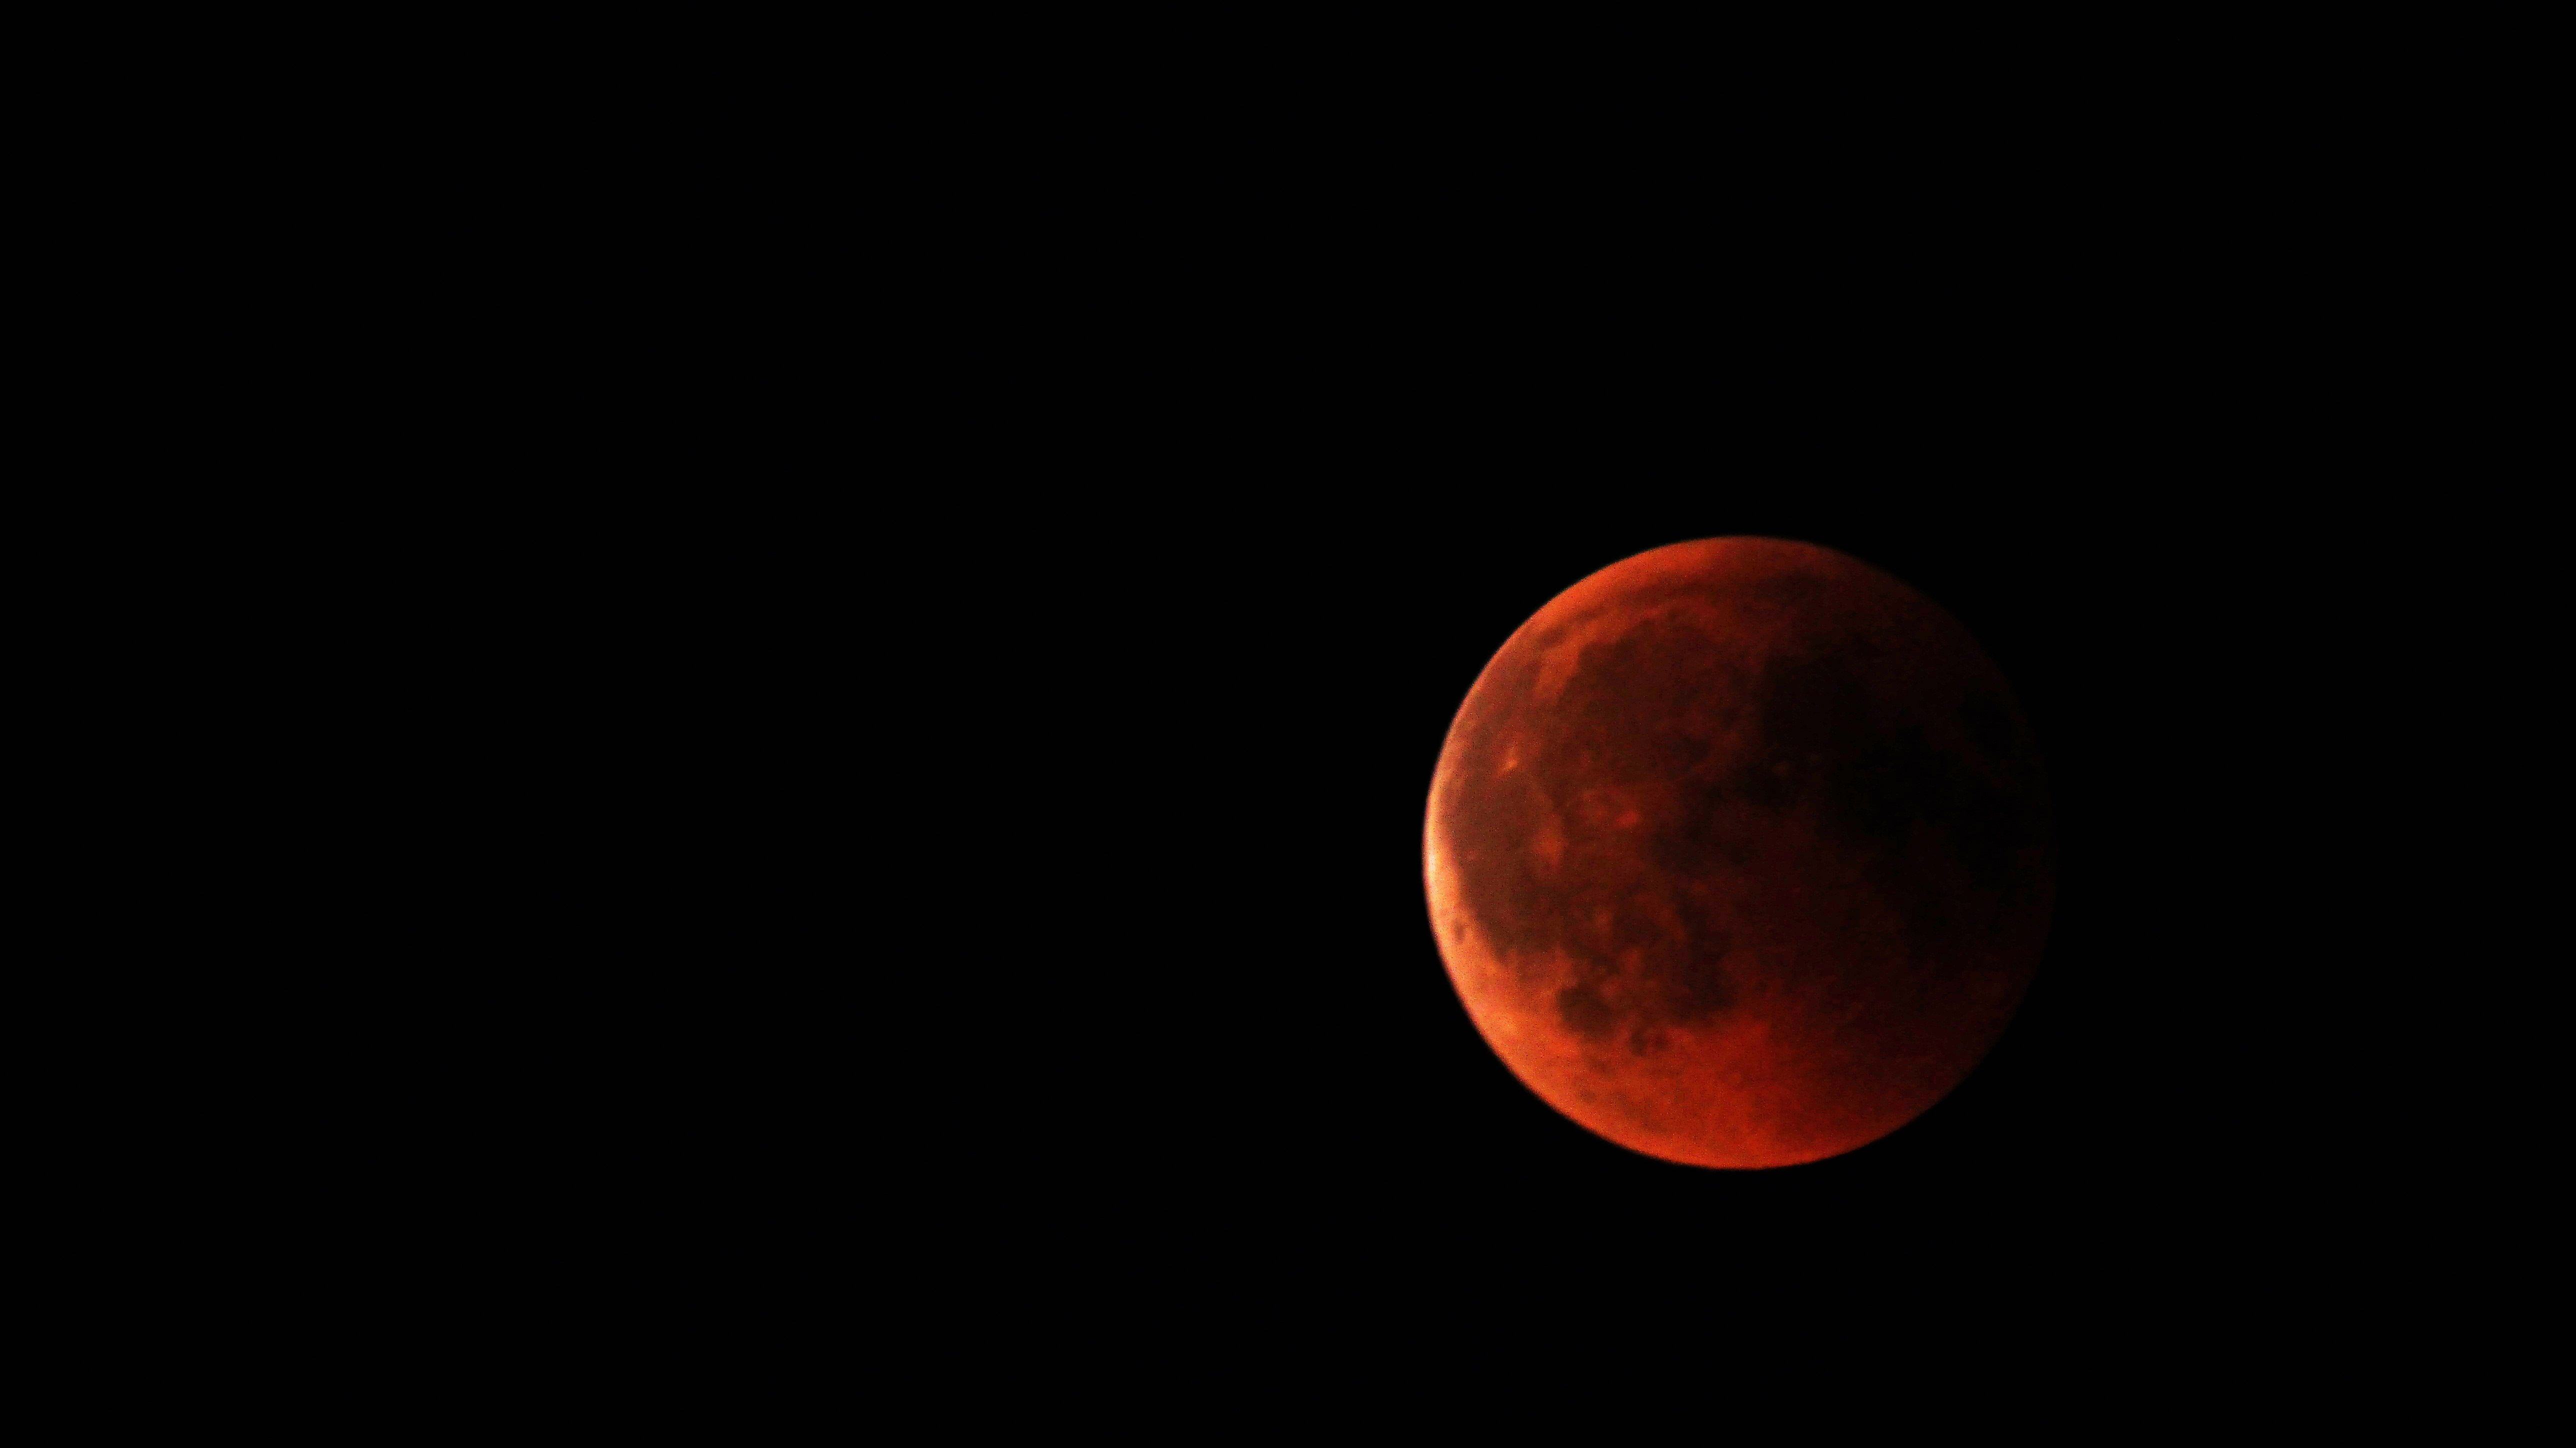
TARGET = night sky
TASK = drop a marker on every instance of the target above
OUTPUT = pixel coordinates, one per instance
(849, 647)
(1209, 509)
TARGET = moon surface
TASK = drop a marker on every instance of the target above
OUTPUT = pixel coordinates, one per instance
(1738, 853)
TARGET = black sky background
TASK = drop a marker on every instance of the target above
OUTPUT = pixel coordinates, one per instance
(1006, 752)
(766, 706)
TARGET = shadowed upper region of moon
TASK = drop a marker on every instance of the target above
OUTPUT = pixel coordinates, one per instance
(1738, 853)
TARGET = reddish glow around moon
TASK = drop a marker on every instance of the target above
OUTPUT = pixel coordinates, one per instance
(1738, 853)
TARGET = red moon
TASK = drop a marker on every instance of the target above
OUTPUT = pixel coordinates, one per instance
(1739, 853)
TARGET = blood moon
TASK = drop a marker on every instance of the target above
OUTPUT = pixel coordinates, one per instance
(1738, 853)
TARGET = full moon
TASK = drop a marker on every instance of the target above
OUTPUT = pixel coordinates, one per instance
(1738, 853)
